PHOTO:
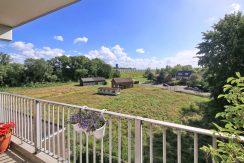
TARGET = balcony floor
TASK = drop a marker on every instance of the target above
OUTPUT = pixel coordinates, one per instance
(11, 157)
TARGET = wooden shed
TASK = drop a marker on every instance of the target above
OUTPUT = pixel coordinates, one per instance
(122, 83)
(92, 81)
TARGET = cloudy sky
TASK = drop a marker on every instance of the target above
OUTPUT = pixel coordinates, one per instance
(132, 33)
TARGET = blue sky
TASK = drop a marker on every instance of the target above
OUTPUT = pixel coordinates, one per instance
(132, 33)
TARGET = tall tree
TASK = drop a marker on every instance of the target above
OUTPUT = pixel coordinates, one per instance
(222, 51)
(4, 58)
(37, 70)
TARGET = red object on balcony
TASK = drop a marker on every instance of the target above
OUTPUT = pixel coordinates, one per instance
(6, 130)
(4, 142)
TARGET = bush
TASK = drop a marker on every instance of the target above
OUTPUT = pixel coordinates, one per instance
(231, 150)
(136, 82)
(105, 83)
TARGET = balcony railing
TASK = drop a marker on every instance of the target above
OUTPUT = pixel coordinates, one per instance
(42, 124)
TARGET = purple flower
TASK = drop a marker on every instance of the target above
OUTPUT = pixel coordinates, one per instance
(88, 120)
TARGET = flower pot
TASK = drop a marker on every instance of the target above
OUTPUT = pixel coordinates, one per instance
(4, 142)
(99, 133)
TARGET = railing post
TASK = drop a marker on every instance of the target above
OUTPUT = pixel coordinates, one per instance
(36, 125)
(138, 141)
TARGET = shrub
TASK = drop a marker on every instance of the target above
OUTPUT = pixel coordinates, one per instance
(231, 150)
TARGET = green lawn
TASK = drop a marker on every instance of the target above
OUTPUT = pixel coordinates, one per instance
(138, 76)
(151, 102)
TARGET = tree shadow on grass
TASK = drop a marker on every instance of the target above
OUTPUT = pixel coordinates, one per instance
(201, 114)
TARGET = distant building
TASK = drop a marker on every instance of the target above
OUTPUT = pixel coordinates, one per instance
(116, 66)
(108, 91)
(122, 83)
(183, 75)
(92, 81)
(128, 70)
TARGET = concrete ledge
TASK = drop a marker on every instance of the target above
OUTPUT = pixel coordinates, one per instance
(27, 151)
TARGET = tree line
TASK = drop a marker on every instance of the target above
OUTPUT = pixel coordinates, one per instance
(58, 69)
(165, 75)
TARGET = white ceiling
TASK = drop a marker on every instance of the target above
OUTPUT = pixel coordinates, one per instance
(14, 13)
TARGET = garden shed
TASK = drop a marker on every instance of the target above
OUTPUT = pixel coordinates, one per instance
(122, 83)
(92, 81)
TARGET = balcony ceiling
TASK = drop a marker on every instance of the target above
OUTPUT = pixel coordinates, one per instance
(14, 13)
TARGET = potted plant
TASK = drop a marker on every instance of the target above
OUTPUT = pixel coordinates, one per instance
(6, 130)
(90, 122)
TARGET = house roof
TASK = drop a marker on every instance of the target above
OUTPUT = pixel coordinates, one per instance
(122, 80)
(184, 73)
(94, 79)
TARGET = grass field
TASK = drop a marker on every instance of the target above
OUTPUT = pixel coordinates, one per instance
(146, 101)
(134, 75)
(141, 100)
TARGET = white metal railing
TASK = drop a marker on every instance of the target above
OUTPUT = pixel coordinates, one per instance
(42, 123)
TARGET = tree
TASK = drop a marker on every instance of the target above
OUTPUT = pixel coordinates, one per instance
(147, 72)
(222, 52)
(105, 70)
(4, 58)
(61, 67)
(37, 70)
(3, 74)
(116, 74)
(162, 75)
(231, 150)
(150, 76)
(81, 73)
(194, 80)
(176, 68)
(14, 74)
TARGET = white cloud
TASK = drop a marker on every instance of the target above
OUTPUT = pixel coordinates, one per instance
(117, 55)
(235, 7)
(80, 40)
(58, 38)
(112, 55)
(27, 50)
(140, 50)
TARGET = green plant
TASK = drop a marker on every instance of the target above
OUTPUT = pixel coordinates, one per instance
(88, 120)
(231, 150)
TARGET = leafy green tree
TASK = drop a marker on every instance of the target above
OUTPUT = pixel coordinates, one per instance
(81, 73)
(4, 58)
(3, 74)
(37, 70)
(116, 74)
(162, 75)
(150, 76)
(176, 68)
(222, 51)
(147, 72)
(60, 66)
(231, 150)
(105, 70)
(14, 74)
(194, 80)
(157, 71)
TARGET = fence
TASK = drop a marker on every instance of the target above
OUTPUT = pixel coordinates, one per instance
(42, 124)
